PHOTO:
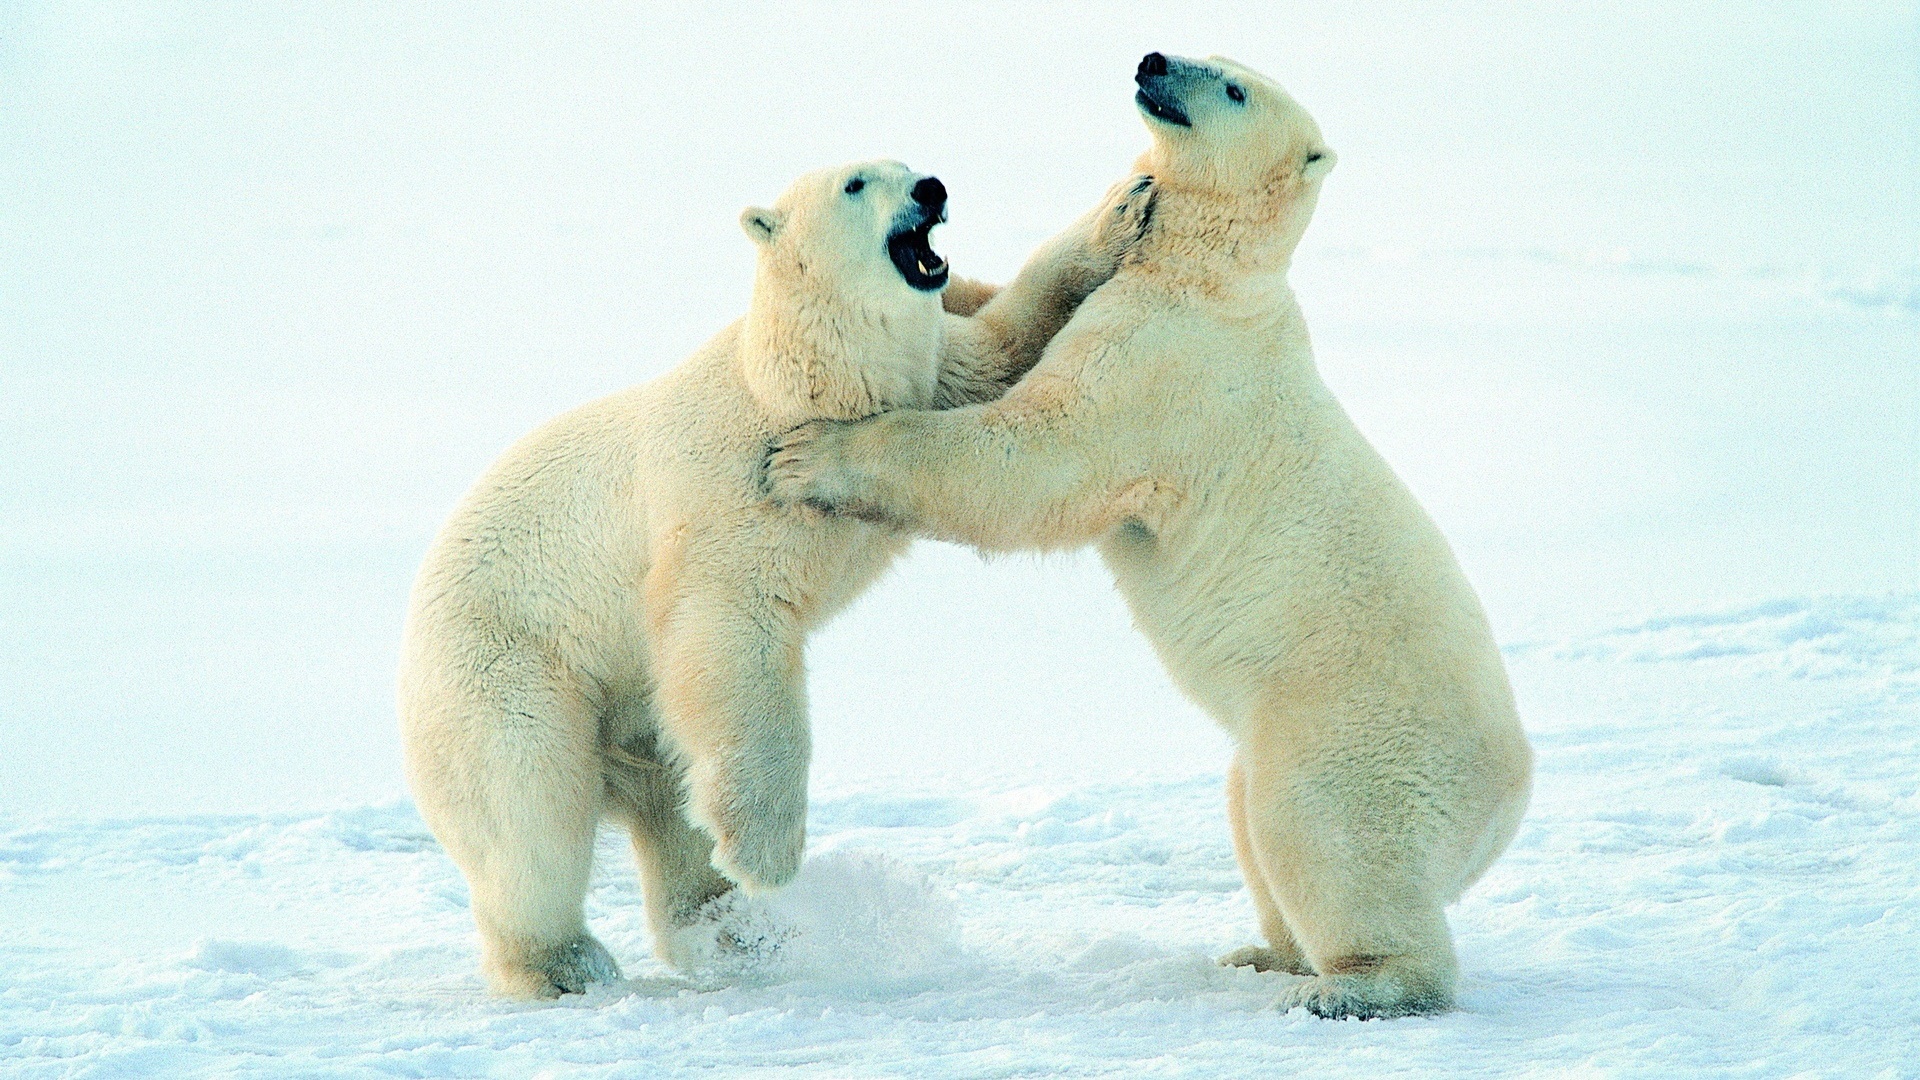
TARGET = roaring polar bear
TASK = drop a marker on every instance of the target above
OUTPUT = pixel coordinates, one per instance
(1290, 583)
(611, 623)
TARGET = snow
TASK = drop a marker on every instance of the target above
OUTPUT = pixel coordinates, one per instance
(1629, 294)
(1716, 878)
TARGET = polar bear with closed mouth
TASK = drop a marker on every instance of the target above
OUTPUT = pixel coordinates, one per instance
(611, 623)
(1290, 583)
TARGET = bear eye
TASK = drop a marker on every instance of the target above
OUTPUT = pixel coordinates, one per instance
(1236, 94)
(854, 185)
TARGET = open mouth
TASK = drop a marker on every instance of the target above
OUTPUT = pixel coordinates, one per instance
(914, 257)
(1160, 110)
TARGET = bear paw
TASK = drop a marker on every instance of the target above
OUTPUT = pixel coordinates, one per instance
(811, 466)
(760, 856)
(1381, 994)
(1123, 217)
(570, 967)
(757, 817)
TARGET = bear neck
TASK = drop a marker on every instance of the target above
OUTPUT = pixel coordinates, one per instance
(1220, 236)
(809, 353)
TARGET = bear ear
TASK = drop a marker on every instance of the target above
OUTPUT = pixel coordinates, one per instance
(761, 225)
(1319, 163)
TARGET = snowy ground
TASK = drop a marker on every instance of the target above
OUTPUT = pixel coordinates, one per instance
(1717, 878)
(1629, 294)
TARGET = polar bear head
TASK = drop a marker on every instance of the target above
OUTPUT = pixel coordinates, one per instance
(846, 314)
(865, 226)
(1229, 137)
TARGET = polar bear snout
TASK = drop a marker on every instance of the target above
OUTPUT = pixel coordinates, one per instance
(1159, 95)
(930, 193)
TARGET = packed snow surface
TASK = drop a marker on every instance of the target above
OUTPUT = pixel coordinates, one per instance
(1628, 294)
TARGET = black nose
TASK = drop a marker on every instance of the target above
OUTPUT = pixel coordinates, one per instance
(1152, 64)
(930, 192)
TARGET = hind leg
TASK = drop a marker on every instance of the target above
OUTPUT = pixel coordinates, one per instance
(1281, 953)
(677, 877)
(1351, 884)
(508, 777)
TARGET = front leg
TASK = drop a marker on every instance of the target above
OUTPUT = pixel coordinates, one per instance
(965, 296)
(1005, 336)
(733, 704)
(996, 478)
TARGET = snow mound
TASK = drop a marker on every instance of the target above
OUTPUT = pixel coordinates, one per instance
(847, 916)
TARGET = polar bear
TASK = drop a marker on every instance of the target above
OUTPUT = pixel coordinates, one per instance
(611, 623)
(1290, 583)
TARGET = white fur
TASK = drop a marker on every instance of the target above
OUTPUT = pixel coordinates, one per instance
(611, 623)
(1290, 583)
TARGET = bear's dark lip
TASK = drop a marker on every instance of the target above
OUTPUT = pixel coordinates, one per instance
(1160, 110)
(911, 249)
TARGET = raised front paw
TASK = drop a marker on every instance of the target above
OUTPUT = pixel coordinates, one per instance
(758, 821)
(760, 855)
(1123, 217)
(810, 466)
